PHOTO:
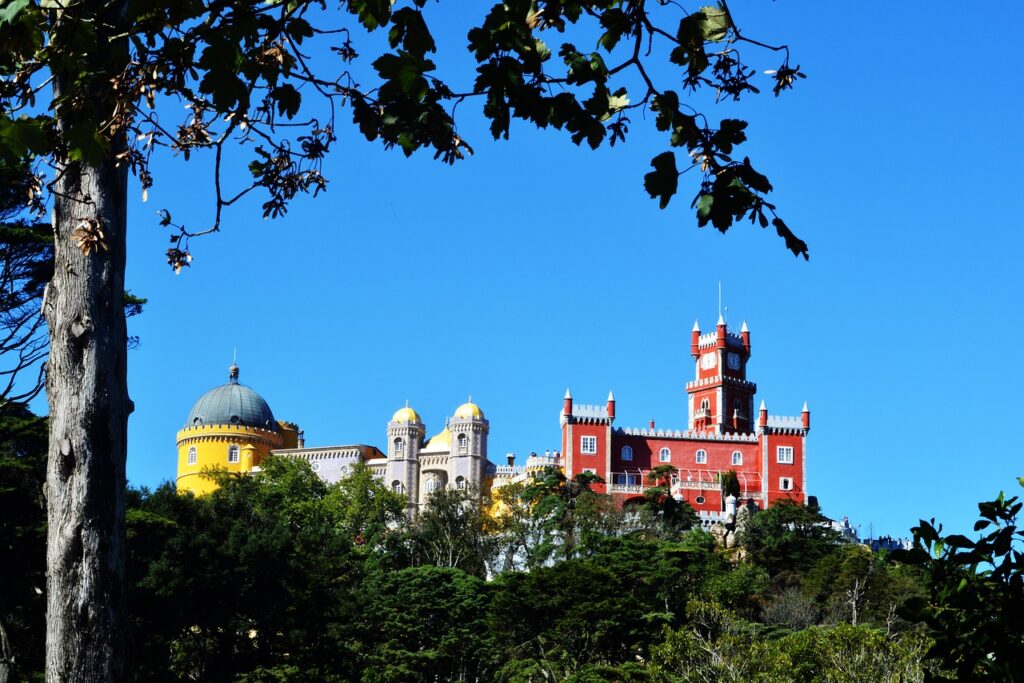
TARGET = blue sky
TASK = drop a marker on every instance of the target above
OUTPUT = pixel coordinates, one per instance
(536, 265)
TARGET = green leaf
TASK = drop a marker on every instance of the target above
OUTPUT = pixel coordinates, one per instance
(705, 202)
(11, 10)
(663, 181)
(714, 23)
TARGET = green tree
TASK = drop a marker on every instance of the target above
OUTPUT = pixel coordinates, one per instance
(90, 89)
(974, 609)
(252, 581)
(425, 624)
(22, 543)
(452, 531)
(788, 537)
(670, 516)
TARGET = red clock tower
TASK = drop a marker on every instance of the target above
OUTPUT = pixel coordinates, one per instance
(721, 400)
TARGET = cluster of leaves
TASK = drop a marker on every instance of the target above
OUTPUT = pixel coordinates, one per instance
(246, 75)
(975, 605)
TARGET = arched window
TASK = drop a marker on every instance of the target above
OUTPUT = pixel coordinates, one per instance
(399, 447)
(705, 406)
(463, 443)
(627, 453)
(396, 486)
(460, 483)
(192, 456)
(702, 457)
(664, 455)
(431, 484)
(737, 458)
(233, 453)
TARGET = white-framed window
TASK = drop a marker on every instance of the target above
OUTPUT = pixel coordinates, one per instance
(785, 455)
(737, 458)
(192, 456)
(626, 479)
(399, 447)
(589, 470)
(463, 443)
(664, 455)
(233, 453)
(460, 483)
(785, 483)
(431, 484)
(627, 453)
(701, 457)
(396, 486)
(705, 405)
(588, 445)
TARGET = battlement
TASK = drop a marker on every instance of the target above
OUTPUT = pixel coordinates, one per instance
(688, 434)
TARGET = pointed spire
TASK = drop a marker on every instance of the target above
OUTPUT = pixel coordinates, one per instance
(567, 394)
(721, 320)
(744, 327)
(696, 327)
(763, 406)
(611, 396)
(805, 408)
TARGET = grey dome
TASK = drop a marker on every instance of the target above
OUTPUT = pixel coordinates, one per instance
(232, 404)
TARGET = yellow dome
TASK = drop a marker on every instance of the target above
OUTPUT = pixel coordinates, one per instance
(405, 414)
(441, 441)
(469, 409)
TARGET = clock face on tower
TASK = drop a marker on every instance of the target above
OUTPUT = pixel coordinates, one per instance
(733, 360)
(708, 360)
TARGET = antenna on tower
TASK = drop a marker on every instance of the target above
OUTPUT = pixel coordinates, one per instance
(234, 356)
(719, 298)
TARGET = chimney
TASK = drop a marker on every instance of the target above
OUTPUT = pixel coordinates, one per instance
(652, 423)
(511, 459)
(301, 439)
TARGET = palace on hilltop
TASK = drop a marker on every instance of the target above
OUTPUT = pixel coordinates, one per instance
(232, 428)
(767, 452)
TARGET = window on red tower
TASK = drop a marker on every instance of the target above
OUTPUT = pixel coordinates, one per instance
(588, 445)
(665, 455)
(702, 457)
(785, 484)
(785, 455)
(627, 453)
(737, 458)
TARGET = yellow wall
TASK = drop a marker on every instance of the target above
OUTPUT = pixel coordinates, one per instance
(211, 443)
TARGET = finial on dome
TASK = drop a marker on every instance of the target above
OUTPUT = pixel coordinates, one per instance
(233, 374)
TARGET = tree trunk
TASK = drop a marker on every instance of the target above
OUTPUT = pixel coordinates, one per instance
(86, 628)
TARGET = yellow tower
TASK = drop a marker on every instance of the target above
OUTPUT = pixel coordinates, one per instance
(230, 428)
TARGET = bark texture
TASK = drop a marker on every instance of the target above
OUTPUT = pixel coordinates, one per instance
(86, 627)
